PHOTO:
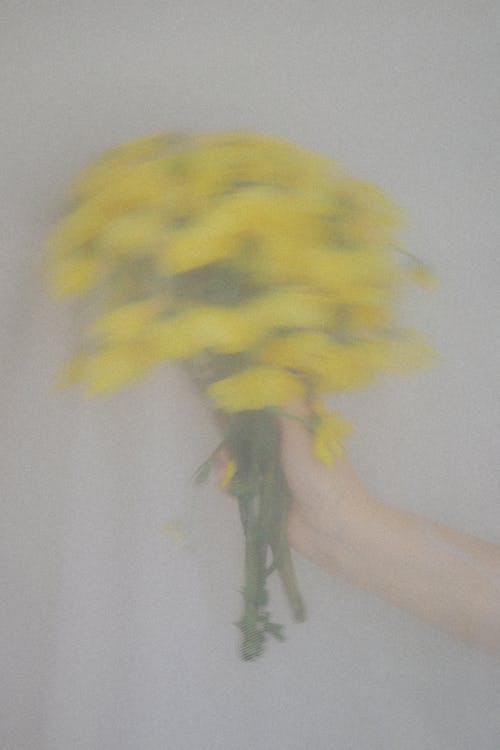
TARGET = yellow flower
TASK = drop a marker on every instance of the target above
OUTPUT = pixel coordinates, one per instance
(176, 531)
(111, 369)
(256, 158)
(274, 258)
(408, 351)
(373, 317)
(260, 215)
(361, 214)
(229, 472)
(297, 350)
(420, 274)
(116, 161)
(72, 371)
(329, 431)
(140, 186)
(314, 244)
(102, 371)
(290, 307)
(337, 270)
(201, 243)
(75, 275)
(255, 388)
(135, 233)
(267, 211)
(364, 276)
(224, 330)
(327, 364)
(219, 329)
(344, 369)
(90, 219)
(128, 321)
(169, 339)
(77, 228)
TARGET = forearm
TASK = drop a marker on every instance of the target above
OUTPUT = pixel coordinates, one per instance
(446, 578)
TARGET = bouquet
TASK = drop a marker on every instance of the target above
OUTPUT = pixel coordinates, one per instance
(269, 274)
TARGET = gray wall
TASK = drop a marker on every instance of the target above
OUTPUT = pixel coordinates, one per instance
(114, 636)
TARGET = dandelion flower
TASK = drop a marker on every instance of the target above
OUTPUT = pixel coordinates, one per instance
(255, 388)
(328, 434)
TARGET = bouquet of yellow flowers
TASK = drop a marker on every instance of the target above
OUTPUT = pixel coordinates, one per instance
(268, 273)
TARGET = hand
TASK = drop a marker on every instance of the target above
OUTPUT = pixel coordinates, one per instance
(448, 579)
(325, 498)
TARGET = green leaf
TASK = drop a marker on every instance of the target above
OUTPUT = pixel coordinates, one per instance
(203, 472)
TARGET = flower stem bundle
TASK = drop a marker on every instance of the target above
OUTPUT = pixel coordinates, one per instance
(268, 273)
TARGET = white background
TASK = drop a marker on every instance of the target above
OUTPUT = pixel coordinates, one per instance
(113, 636)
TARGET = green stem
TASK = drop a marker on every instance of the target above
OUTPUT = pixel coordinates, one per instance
(264, 499)
(253, 440)
(254, 593)
(289, 581)
(282, 557)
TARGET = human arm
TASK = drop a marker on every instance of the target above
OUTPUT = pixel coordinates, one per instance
(446, 578)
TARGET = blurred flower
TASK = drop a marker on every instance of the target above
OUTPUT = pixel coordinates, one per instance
(77, 275)
(269, 273)
(230, 470)
(423, 276)
(110, 369)
(255, 388)
(328, 433)
(127, 322)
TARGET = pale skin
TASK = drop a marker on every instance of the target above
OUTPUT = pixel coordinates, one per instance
(447, 579)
